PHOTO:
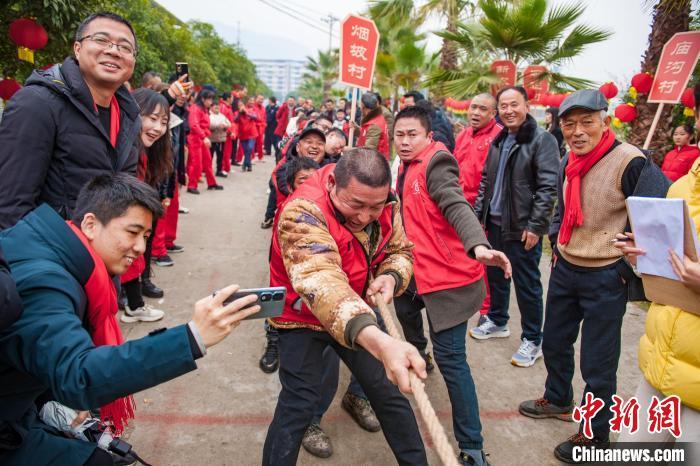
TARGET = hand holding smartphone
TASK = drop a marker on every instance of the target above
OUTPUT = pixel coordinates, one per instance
(271, 301)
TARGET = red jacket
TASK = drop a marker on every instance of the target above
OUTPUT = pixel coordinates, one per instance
(282, 117)
(440, 261)
(356, 265)
(262, 118)
(247, 124)
(471, 151)
(198, 120)
(226, 109)
(678, 161)
(383, 145)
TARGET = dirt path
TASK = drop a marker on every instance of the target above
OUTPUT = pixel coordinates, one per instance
(219, 414)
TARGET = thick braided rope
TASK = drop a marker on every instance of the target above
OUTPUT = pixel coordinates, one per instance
(427, 412)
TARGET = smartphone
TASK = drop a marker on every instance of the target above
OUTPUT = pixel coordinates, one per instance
(270, 299)
(182, 68)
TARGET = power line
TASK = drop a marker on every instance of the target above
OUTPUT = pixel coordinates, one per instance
(281, 9)
(304, 7)
(330, 19)
(295, 12)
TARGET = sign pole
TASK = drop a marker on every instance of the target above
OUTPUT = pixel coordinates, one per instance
(655, 122)
(353, 109)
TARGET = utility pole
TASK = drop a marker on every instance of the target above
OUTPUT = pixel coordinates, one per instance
(238, 35)
(330, 19)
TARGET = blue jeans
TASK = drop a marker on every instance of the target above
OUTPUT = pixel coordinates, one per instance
(248, 146)
(528, 285)
(450, 351)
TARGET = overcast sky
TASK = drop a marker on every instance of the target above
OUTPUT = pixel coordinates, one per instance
(268, 33)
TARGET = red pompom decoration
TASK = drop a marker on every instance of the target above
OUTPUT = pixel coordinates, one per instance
(626, 112)
(8, 87)
(642, 82)
(688, 98)
(609, 90)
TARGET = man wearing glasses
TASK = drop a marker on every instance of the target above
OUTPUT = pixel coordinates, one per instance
(71, 122)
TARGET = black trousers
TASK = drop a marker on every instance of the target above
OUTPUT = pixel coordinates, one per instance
(594, 299)
(300, 372)
(408, 310)
(217, 150)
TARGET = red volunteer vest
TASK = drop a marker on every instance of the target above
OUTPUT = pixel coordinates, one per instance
(440, 261)
(355, 263)
(383, 145)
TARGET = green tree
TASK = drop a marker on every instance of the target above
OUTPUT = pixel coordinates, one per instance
(320, 76)
(526, 32)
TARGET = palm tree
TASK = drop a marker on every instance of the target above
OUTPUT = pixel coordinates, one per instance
(322, 72)
(670, 17)
(450, 10)
(526, 32)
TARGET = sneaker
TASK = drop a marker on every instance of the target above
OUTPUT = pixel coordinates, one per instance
(163, 261)
(215, 187)
(542, 409)
(235, 164)
(175, 248)
(149, 290)
(267, 223)
(270, 360)
(145, 313)
(184, 210)
(482, 319)
(193, 190)
(221, 175)
(316, 442)
(527, 354)
(565, 450)
(489, 330)
(428, 358)
(472, 458)
(361, 411)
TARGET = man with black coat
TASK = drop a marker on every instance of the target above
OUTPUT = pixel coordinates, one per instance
(515, 203)
(71, 122)
(271, 118)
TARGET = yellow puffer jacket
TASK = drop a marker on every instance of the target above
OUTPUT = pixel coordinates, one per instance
(669, 351)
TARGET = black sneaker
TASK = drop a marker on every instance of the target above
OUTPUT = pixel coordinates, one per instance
(163, 261)
(270, 360)
(466, 459)
(221, 175)
(149, 290)
(175, 248)
(215, 187)
(542, 408)
(193, 190)
(267, 223)
(235, 164)
(428, 358)
(565, 450)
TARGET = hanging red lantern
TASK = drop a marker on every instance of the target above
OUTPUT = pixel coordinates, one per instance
(531, 93)
(555, 100)
(642, 82)
(8, 87)
(626, 112)
(688, 98)
(609, 90)
(29, 36)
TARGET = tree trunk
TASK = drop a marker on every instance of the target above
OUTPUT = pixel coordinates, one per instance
(448, 51)
(670, 17)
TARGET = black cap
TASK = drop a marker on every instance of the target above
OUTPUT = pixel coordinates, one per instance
(310, 130)
(590, 99)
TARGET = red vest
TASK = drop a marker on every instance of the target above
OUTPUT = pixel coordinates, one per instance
(677, 162)
(383, 145)
(471, 151)
(355, 263)
(440, 261)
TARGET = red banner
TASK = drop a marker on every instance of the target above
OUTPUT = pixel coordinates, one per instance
(506, 72)
(358, 51)
(532, 79)
(678, 59)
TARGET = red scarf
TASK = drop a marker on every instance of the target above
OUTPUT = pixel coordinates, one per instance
(576, 169)
(101, 312)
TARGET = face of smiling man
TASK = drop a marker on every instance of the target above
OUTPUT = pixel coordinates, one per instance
(102, 64)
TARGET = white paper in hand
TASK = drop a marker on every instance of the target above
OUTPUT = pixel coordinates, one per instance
(658, 227)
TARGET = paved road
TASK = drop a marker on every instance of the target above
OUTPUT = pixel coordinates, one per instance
(219, 414)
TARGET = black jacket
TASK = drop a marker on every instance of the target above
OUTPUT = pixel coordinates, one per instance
(442, 129)
(52, 142)
(529, 182)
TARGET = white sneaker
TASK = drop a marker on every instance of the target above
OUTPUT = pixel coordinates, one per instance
(489, 330)
(527, 354)
(145, 313)
(183, 210)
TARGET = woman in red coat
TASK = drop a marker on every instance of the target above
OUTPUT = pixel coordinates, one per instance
(198, 143)
(678, 161)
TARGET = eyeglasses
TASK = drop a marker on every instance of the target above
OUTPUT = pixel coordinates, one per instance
(104, 43)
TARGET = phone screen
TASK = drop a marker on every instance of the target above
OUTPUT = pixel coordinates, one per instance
(182, 68)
